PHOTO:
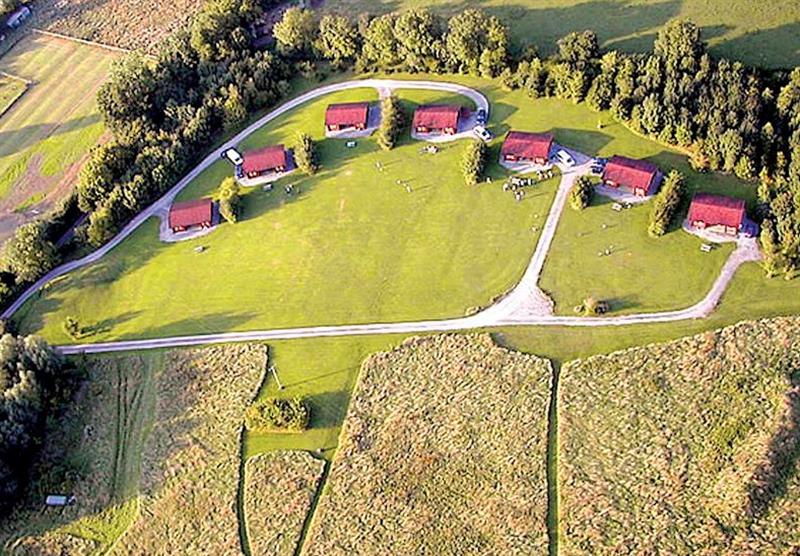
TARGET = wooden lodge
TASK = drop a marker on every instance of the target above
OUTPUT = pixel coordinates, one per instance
(265, 161)
(640, 176)
(191, 214)
(716, 212)
(349, 115)
(435, 118)
(521, 146)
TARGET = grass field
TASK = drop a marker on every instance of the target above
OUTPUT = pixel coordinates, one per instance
(47, 132)
(442, 452)
(349, 246)
(279, 490)
(688, 447)
(10, 91)
(766, 32)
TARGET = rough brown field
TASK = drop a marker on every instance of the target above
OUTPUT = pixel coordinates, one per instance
(689, 447)
(279, 491)
(442, 452)
(190, 465)
(128, 24)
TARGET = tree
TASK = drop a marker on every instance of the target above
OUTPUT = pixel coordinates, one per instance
(473, 161)
(338, 39)
(234, 109)
(392, 122)
(419, 40)
(476, 44)
(666, 204)
(296, 32)
(228, 196)
(271, 414)
(380, 49)
(29, 254)
(580, 196)
(578, 49)
(305, 154)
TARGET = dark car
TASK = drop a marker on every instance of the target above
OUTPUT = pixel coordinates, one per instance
(480, 116)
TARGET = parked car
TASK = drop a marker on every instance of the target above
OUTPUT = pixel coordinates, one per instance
(480, 117)
(596, 169)
(482, 133)
(564, 158)
(233, 156)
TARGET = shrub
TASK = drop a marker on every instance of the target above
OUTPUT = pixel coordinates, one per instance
(392, 122)
(229, 200)
(667, 203)
(29, 255)
(592, 306)
(581, 194)
(278, 414)
(72, 328)
(473, 161)
(305, 154)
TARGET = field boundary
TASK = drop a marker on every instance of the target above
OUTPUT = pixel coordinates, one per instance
(85, 42)
(27, 82)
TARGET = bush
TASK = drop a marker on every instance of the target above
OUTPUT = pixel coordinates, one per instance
(581, 194)
(392, 122)
(278, 414)
(592, 306)
(473, 162)
(305, 154)
(29, 255)
(229, 200)
(72, 328)
(667, 203)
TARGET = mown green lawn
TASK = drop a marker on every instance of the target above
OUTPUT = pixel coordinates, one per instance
(56, 122)
(763, 32)
(10, 91)
(350, 245)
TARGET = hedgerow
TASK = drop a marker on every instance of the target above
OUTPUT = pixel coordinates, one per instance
(666, 204)
(442, 452)
(687, 447)
(473, 161)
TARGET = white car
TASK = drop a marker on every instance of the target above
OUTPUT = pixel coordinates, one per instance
(233, 156)
(482, 133)
(564, 158)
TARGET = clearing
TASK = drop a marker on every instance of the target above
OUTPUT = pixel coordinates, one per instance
(47, 132)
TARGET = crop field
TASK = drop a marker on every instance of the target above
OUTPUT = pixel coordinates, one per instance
(686, 447)
(765, 33)
(349, 245)
(442, 452)
(131, 24)
(279, 490)
(640, 272)
(150, 449)
(47, 132)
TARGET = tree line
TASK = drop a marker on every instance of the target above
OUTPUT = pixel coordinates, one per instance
(164, 113)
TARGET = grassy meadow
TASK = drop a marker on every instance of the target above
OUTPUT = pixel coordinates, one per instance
(765, 33)
(11, 89)
(442, 452)
(47, 132)
(687, 447)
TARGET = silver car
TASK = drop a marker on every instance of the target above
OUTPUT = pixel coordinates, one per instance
(482, 133)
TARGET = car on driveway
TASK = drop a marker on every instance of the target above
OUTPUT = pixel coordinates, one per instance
(482, 133)
(564, 158)
(480, 117)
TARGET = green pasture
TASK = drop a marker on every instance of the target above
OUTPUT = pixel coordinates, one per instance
(11, 90)
(759, 32)
(56, 122)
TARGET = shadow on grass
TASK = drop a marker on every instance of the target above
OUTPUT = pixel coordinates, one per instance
(17, 140)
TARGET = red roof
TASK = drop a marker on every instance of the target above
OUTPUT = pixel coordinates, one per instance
(527, 145)
(347, 114)
(715, 210)
(435, 116)
(190, 213)
(630, 172)
(267, 158)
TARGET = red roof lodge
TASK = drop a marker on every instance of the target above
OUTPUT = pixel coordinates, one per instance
(640, 176)
(189, 214)
(435, 118)
(521, 146)
(347, 115)
(710, 211)
(265, 160)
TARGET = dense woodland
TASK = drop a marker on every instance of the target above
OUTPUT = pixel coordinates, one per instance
(206, 80)
(33, 380)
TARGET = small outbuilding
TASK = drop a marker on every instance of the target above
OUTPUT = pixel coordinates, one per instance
(191, 214)
(437, 118)
(348, 115)
(725, 214)
(265, 161)
(18, 17)
(640, 176)
(521, 146)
